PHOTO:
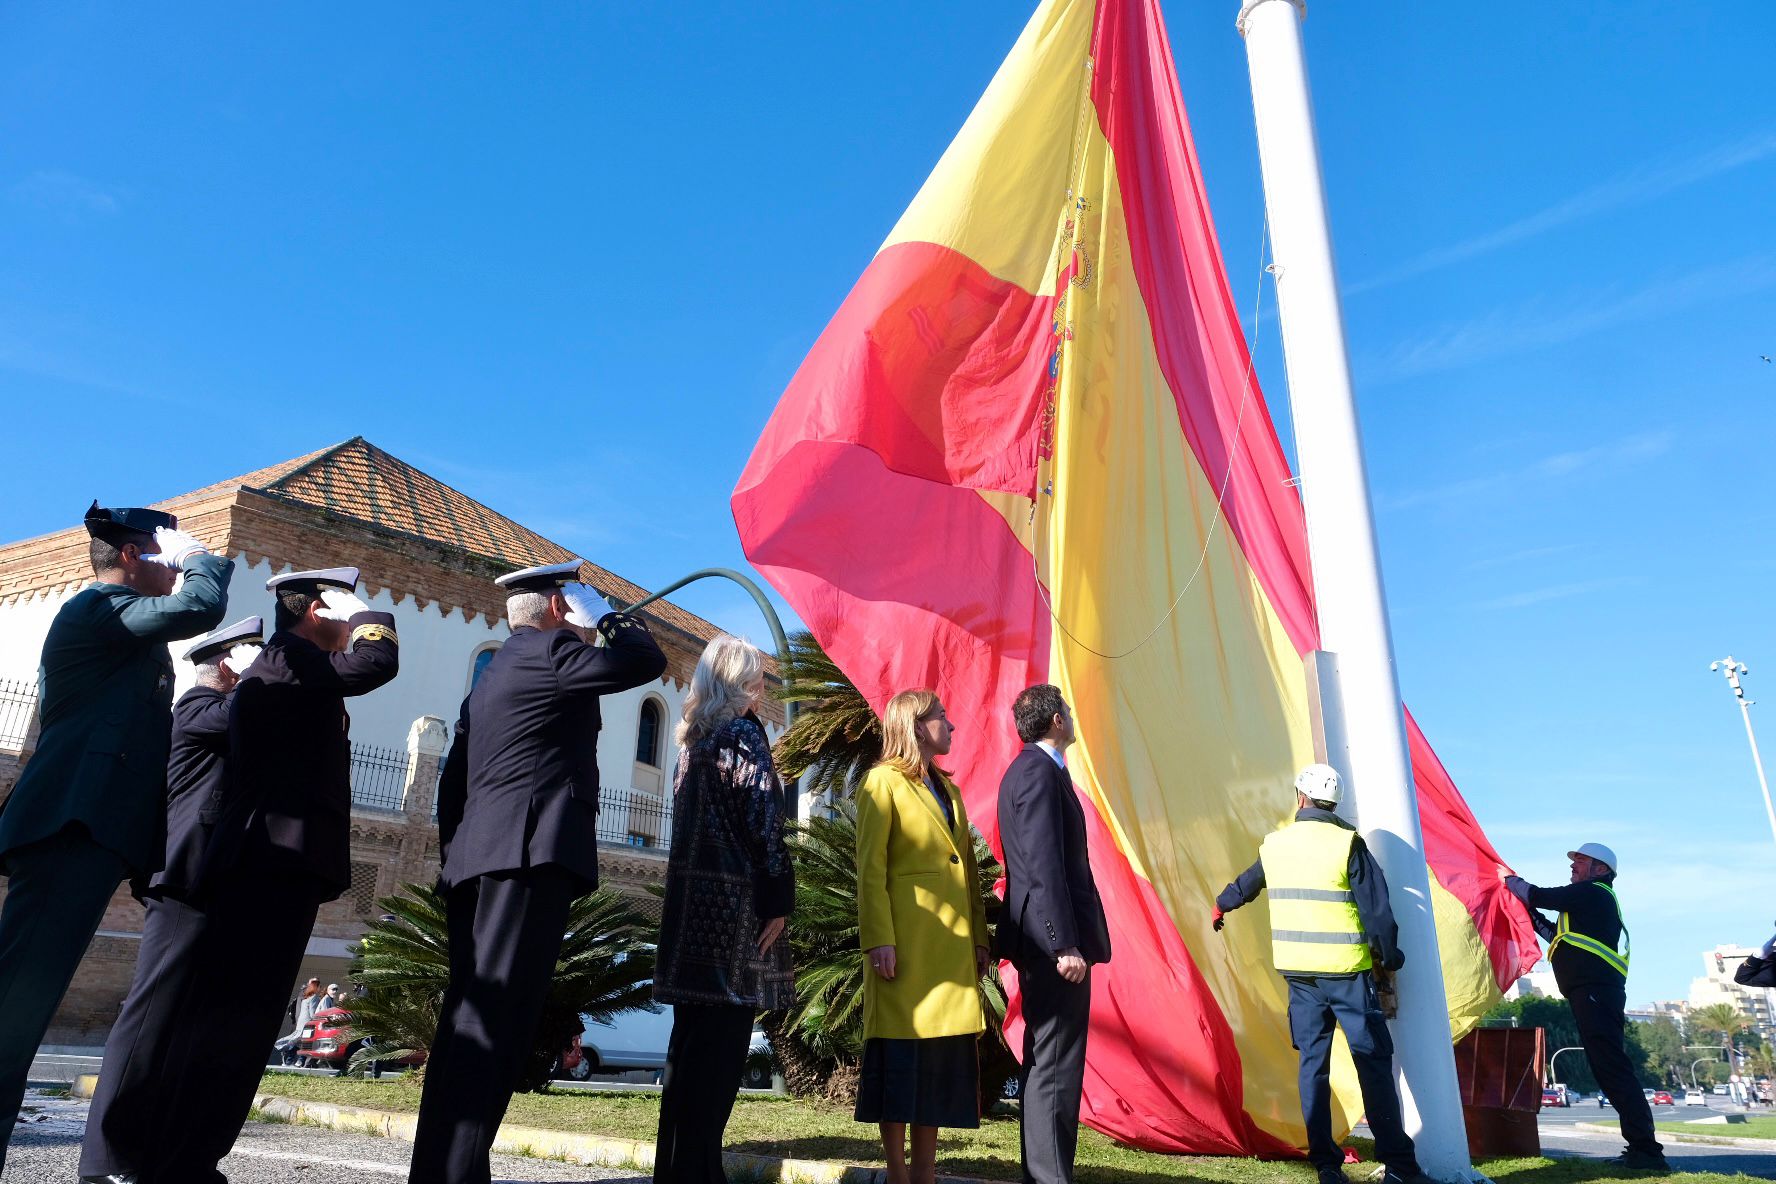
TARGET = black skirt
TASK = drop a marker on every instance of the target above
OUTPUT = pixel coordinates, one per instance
(933, 1082)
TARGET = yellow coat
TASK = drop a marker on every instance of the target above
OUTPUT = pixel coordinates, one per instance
(918, 891)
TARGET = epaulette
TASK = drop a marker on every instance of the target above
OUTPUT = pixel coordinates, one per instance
(374, 631)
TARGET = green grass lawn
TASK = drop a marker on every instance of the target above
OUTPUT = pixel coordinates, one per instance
(803, 1130)
(1752, 1128)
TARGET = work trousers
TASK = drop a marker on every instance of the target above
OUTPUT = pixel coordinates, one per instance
(1318, 1006)
(56, 892)
(1597, 1010)
(1057, 1014)
(505, 935)
(122, 1129)
(255, 925)
(704, 1061)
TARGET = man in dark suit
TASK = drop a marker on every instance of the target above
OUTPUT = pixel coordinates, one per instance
(86, 811)
(1052, 929)
(121, 1127)
(281, 848)
(517, 821)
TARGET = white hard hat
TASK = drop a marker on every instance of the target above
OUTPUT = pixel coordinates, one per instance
(1598, 852)
(1320, 783)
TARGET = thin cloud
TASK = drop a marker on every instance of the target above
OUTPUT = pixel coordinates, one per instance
(1524, 556)
(1553, 592)
(1542, 322)
(1630, 188)
(1627, 450)
(65, 194)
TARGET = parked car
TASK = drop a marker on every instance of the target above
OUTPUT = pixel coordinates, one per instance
(761, 1062)
(1695, 1097)
(634, 1040)
(328, 1043)
(1662, 1097)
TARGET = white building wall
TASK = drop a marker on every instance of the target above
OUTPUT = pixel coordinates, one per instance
(24, 623)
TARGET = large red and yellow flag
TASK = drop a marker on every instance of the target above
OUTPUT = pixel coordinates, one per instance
(1029, 448)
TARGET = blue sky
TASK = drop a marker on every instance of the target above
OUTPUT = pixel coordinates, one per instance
(566, 258)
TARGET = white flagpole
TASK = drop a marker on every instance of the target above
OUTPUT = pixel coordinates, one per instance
(1347, 574)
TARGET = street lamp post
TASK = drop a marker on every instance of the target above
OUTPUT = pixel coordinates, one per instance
(758, 597)
(1734, 671)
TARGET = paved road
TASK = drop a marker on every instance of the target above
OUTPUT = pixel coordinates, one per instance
(48, 1149)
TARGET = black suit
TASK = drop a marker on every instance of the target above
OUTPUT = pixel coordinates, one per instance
(281, 846)
(123, 1126)
(517, 820)
(1051, 905)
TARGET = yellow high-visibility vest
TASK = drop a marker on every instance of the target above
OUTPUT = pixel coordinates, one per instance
(1564, 932)
(1314, 924)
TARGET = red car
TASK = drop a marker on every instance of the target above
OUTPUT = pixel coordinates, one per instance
(1661, 1097)
(327, 1040)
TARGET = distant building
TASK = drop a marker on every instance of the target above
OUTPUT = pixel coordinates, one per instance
(1673, 1009)
(1538, 983)
(1717, 986)
(428, 554)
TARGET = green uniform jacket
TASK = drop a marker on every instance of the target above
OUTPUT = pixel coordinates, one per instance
(105, 706)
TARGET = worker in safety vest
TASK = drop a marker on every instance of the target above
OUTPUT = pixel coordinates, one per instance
(1330, 922)
(1588, 947)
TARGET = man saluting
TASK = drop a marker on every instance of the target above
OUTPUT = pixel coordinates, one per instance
(281, 848)
(517, 820)
(123, 1126)
(86, 811)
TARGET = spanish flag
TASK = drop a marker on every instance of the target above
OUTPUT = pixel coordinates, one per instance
(1030, 447)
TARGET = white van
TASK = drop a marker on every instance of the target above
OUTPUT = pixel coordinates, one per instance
(634, 1040)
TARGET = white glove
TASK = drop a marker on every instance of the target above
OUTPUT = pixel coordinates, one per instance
(584, 605)
(241, 657)
(175, 547)
(340, 605)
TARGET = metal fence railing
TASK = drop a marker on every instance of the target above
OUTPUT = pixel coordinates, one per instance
(634, 818)
(378, 777)
(18, 702)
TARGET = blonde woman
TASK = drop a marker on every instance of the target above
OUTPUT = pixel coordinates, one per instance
(924, 934)
(729, 890)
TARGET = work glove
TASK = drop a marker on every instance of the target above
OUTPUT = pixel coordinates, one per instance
(583, 604)
(1519, 887)
(340, 605)
(242, 656)
(175, 547)
(1218, 919)
(1392, 960)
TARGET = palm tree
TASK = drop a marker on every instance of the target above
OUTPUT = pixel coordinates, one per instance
(402, 962)
(837, 736)
(1721, 1019)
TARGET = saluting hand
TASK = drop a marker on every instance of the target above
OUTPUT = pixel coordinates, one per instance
(340, 605)
(241, 656)
(770, 932)
(175, 547)
(583, 603)
(881, 959)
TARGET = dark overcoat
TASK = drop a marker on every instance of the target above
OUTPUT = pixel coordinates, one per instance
(195, 787)
(519, 788)
(104, 701)
(287, 804)
(1051, 898)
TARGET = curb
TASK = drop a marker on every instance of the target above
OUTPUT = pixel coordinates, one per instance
(602, 1151)
(1687, 1137)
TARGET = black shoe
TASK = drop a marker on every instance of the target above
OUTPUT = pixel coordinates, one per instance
(1641, 1161)
(110, 1178)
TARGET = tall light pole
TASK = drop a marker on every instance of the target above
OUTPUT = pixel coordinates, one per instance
(1734, 671)
(1348, 596)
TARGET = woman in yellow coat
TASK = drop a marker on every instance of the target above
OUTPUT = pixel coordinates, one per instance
(925, 935)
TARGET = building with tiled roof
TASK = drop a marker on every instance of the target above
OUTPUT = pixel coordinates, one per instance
(428, 554)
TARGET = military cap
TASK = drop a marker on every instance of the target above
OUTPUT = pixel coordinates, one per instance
(311, 582)
(546, 578)
(226, 638)
(115, 524)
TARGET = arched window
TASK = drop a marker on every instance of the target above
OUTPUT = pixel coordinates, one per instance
(647, 733)
(479, 662)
